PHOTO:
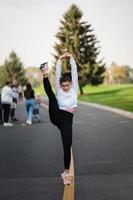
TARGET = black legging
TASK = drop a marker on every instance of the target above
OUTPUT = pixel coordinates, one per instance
(62, 119)
(1, 119)
(6, 109)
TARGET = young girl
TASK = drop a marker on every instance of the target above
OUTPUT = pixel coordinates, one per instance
(30, 101)
(62, 107)
(36, 110)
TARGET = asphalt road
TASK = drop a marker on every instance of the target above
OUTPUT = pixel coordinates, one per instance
(31, 158)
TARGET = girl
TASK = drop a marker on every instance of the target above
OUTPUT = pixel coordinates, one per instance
(61, 109)
(30, 101)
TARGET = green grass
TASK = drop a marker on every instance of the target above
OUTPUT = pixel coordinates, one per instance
(39, 90)
(117, 96)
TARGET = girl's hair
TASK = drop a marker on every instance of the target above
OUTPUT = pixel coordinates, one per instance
(28, 90)
(28, 86)
(65, 77)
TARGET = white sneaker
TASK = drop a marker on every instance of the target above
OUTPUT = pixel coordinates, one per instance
(67, 178)
(10, 124)
(7, 124)
(28, 122)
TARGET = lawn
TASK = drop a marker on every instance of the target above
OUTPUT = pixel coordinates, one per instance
(118, 96)
(39, 90)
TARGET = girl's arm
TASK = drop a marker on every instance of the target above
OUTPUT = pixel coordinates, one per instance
(74, 73)
(58, 74)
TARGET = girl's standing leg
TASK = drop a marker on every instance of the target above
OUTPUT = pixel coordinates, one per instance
(66, 134)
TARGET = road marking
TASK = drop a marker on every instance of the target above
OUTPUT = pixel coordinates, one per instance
(69, 189)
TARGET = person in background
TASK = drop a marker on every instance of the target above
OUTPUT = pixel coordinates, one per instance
(36, 110)
(7, 95)
(1, 120)
(20, 92)
(63, 106)
(30, 102)
(14, 101)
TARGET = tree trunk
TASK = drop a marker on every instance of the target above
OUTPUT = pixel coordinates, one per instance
(81, 90)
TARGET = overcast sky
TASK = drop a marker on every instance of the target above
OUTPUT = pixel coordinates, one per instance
(29, 28)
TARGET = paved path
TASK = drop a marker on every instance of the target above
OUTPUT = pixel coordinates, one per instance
(103, 152)
(31, 158)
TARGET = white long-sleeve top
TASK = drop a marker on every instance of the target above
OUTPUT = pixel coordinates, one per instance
(7, 95)
(67, 100)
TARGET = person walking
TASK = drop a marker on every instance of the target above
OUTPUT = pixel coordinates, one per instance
(1, 119)
(14, 101)
(30, 101)
(63, 106)
(7, 95)
(20, 92)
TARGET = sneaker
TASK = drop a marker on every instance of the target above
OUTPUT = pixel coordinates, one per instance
(44, 69)
(28, 122)
(10, 124)
(67, 178)
(7, 124)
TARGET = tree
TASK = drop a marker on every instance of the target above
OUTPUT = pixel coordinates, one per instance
(77, 37)
(14, 69)
(2, 76)
(34, 76)
(120, 73)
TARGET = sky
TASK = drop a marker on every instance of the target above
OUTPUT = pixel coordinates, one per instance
(29, 28)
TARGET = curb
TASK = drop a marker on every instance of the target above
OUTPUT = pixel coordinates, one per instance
(108, 108)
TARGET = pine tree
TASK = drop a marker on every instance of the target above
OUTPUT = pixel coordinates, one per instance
(14, 69)
(77, 37)
(2, 76)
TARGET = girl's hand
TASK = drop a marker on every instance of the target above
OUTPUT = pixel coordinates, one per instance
(62, 56)
(68, 55)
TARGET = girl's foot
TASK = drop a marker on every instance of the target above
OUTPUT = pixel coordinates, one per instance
(67, 178)
(44, 70)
